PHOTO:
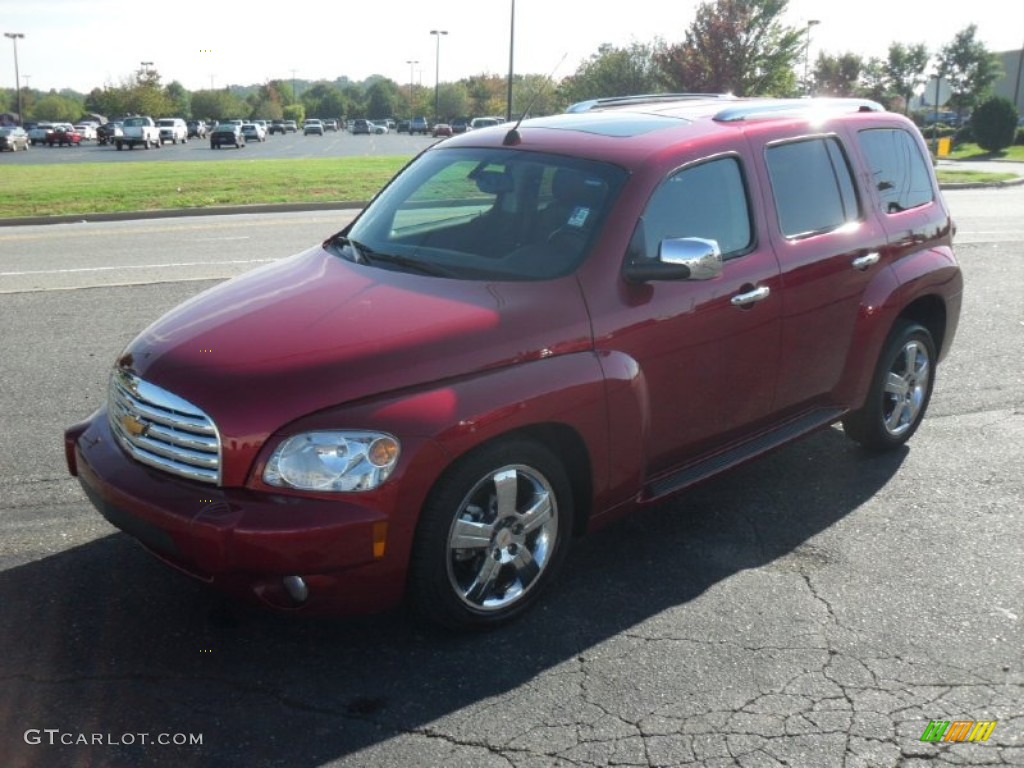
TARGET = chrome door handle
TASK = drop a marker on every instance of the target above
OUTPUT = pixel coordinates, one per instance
(865, 261)
(758, 294)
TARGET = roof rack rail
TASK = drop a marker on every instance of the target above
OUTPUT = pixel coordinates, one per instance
(644, 98)
(782, 107)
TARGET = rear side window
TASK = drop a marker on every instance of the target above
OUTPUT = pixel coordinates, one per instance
(898, 169)
(707, 200)
(812, 186)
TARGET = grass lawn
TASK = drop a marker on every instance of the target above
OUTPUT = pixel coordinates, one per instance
(41, 190)
(47, 190)
(974, 152)
(961, 177)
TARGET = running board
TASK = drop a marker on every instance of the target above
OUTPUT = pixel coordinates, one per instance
(762, 443)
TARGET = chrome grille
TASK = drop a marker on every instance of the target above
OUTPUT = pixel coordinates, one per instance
(162, 430)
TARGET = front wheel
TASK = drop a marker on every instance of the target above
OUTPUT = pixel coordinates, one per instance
(492, 535)
(900, 390)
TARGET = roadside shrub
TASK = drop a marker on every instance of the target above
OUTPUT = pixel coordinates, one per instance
(994, 124)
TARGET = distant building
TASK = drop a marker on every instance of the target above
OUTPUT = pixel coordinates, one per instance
(1011, 84)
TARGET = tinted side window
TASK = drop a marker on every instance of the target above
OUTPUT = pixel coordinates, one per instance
(812, 186)
(898, 168)
(707, 200)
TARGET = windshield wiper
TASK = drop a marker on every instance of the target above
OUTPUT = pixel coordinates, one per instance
(339, 242)
(364, 254)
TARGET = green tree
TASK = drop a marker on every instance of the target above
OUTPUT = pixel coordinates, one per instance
(873, 83)
(324, 100)
(904, 71)
(969, 68)
(486, 95)
(180, 99)
(57, 108)
(536, 94)
(143, 94)
(994, 124)
(615, 72)
(837, 75)
(218, 105)
(382, 99)
(736, 46)
(453, 101)
(295, 112)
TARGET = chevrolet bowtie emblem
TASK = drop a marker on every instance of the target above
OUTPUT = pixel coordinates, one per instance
(132, 425)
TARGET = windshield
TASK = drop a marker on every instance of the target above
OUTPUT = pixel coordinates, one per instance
(489, 214)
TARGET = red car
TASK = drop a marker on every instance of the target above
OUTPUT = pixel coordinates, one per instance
(442, 130)
(64, 134)
(528, 333)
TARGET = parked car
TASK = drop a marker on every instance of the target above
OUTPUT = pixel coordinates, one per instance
(13, 137)
(291, 126)
(485, 122)
(460, 125)
(196, 129)
(312, 126)
(602, 309)
(360, 126)
(38, 134)
(402, 126)
(108, 132)
(253, 132)
(442, 129)
(330, 125)
(277, 126)
(378, 128)
(419, 125)
(63, 134)
(227, 134)
(172, 129)
(87, 130)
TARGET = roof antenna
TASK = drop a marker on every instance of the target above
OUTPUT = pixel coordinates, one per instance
(512, 137)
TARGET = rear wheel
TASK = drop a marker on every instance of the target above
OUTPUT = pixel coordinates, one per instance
(491, 536)
(900, 390)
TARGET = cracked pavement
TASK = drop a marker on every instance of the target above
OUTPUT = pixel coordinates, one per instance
(815, 608)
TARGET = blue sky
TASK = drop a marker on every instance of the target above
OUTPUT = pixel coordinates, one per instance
(86, 43)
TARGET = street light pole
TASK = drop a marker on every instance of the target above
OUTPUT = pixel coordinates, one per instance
(511, 52)
(411, 63)
(807, 55)
(437, 72)
(15, 36)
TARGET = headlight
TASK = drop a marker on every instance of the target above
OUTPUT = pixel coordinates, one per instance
(333, 461)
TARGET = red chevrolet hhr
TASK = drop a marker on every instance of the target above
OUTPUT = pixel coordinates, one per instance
(532, 330)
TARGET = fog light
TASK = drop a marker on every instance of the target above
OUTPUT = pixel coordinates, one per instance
(296, 588)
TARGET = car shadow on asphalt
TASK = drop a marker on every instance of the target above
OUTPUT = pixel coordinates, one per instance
(103, 639)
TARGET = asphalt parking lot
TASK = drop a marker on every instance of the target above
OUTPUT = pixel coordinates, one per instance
(278, 146)
(815, 608)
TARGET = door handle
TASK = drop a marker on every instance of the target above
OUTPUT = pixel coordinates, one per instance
(865, 261)
(758, 294)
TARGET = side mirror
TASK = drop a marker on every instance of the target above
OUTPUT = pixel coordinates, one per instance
(679, 258)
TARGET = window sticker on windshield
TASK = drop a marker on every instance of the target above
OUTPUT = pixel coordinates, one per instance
(579, 216)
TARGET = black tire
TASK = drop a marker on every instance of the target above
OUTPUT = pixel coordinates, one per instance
(901, 389)
(510, 503)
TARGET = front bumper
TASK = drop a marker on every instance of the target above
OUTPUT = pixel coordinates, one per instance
(349, 551)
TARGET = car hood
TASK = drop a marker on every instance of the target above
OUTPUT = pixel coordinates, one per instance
(314, 331)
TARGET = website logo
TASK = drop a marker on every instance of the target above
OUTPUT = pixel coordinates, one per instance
(958, 730)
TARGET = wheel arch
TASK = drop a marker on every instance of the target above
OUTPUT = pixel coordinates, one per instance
(567, 445)
(930, 312)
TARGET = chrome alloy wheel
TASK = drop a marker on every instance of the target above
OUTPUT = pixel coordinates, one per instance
(502, 538)
(906, 388)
